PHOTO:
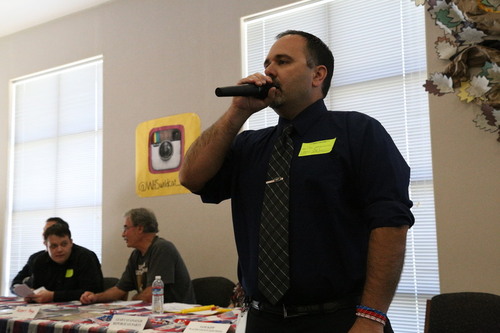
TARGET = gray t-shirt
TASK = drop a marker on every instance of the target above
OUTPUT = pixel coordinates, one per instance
(161, 258)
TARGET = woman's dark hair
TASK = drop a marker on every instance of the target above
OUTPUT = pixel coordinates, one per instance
(58, 220)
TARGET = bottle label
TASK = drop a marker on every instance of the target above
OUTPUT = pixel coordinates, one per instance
(158, 291)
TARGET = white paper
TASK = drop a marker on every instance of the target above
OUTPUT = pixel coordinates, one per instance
(197, 327)
(23, 290)
(176, 307)
(241, 322)
(26, 312)
(127, 303)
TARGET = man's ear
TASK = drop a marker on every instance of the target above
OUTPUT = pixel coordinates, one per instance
(319, 75)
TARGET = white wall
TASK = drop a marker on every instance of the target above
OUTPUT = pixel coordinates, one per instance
(160, 58)
(163, 57)
(466, 164)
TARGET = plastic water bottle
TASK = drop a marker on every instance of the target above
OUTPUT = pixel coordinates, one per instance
(157, 302)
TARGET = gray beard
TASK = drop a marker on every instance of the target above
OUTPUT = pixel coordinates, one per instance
(277, 103)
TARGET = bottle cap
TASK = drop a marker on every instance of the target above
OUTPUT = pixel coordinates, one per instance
(158, 277)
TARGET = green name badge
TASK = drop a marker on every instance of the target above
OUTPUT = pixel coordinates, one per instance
(317, 147)
(69, 272)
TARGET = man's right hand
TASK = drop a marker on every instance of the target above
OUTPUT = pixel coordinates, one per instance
(250, 105)
(88, 297)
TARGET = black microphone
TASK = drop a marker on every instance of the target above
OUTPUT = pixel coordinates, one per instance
(244, 90)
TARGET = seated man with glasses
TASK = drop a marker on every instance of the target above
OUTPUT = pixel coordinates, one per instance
(66, 270)
(152, 256)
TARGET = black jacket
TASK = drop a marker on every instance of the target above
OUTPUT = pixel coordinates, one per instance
(80, 273)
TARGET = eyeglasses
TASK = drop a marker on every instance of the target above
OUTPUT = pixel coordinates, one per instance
(126, 227)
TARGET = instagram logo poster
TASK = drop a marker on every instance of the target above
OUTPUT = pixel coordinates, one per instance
(160, 147)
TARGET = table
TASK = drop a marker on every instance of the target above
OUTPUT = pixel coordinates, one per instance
(72, 317)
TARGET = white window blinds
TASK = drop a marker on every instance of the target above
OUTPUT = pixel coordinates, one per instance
(380, 67)
(56, 158)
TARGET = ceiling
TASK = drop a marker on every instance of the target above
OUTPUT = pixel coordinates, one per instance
(17, 15)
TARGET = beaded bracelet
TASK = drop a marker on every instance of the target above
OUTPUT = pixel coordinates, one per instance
(372, 314)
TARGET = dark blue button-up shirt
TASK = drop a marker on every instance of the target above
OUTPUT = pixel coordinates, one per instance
(337, 196)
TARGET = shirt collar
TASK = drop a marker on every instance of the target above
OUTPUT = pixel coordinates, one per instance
(149, 247)
(304, 119)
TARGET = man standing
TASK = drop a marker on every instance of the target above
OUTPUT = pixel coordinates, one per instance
(344, 198)
(65, 270)
(24, 275)
(152, 256)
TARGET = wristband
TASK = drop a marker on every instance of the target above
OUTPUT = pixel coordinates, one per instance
(372, 314)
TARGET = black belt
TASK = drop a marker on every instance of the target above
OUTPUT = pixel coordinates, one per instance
(300, 310)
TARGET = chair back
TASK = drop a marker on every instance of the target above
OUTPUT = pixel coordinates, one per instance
(108, 282)
(215, 290)
(463, 312)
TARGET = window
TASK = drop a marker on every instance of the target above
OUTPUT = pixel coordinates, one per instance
(380, 67)
(55, 159)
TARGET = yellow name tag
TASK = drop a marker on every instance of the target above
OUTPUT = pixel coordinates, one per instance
(317, 148)
(69, 272)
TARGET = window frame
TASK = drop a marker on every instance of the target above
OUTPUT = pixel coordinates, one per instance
(79, 97)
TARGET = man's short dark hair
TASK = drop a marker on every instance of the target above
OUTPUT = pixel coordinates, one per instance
(58, 220)
(319, 54)
(57, 230)
(143, 217)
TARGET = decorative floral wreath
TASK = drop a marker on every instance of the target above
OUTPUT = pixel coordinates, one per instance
(471, 43)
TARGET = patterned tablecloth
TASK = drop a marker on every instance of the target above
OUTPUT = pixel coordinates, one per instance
(72, 317)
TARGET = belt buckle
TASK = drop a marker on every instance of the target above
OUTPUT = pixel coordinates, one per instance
(261, 307)
(287, 314)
